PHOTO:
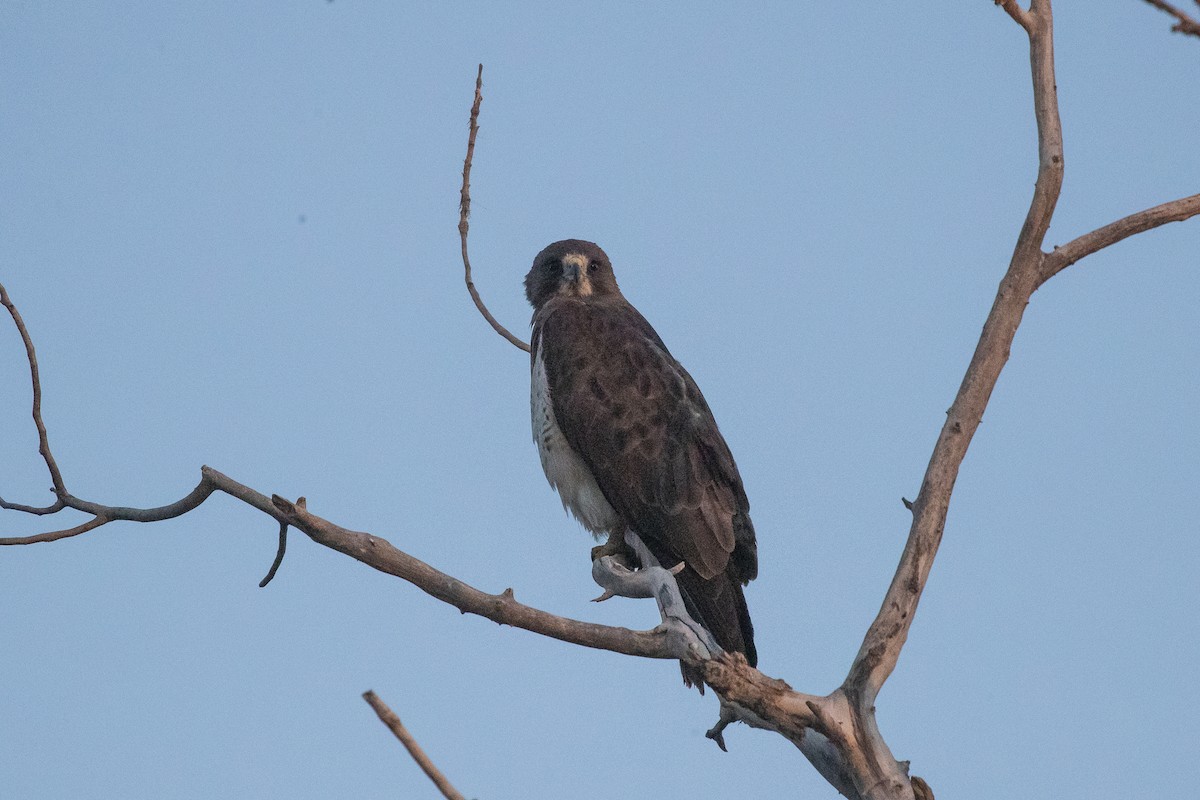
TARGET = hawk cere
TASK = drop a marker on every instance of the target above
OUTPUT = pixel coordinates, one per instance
(626, 438)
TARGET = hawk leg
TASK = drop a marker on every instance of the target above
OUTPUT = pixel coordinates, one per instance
(616, 547)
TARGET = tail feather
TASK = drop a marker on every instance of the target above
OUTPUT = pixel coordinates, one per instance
(719, 604)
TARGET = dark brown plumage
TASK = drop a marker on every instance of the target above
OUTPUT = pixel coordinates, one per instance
(628, 440)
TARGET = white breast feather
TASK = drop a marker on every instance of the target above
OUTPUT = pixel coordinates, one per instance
(565, 470)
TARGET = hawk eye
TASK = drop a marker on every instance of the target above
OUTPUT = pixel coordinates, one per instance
(593, 267)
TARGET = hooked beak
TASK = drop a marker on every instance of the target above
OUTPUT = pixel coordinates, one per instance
(575, 275)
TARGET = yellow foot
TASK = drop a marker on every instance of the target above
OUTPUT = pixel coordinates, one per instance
(615, 547)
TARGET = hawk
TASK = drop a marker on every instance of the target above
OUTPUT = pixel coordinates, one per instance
(627, 439)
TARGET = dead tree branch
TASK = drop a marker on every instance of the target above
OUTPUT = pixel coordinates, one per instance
(677, 637)
(1014, 10)
(837, 732)
(379, 554)
(1083, 246)
(881, 647)
(389, 718)
(464, 213)
(43, 440)
(1185, 24)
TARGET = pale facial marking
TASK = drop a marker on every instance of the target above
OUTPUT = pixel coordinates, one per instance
(583, 286)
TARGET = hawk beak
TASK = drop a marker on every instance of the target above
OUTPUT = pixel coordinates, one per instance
(575, 276)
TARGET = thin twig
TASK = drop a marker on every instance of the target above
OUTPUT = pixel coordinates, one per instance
(43, 440)
(283, 529)
(464, 212)
(279, 551)
(1017, 13)
(389, 718)
(54, 536)
(1083, 246)
(1186, 25)
(106, 514)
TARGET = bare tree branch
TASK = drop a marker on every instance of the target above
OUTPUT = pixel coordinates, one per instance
(1029, 267)
(1186, 25)
(464, 212)
(1018, 13)
(54, 536)
(678, 637)
(389, 718)
(43, 440)
(280, 551)
(381, 555)
(105, 514)
(502, 608)
(1083, 246)
(881, 647)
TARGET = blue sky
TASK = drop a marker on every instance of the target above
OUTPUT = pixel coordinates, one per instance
(231, 229)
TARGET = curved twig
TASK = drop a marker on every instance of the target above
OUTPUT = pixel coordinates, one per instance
(53, 508)
(106, 514)
(283, 529)
(43, 440)
(279, 552)
(464, 212)
(157, 514)
(389, 718)
(54, 536)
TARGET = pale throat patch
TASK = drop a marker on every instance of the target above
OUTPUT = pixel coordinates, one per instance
(584, 285)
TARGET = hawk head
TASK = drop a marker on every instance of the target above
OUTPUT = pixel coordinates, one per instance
(571, 268)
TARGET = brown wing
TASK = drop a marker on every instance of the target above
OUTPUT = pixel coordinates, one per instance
(639, 421)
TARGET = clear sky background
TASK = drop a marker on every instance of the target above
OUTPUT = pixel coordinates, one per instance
(231, 229)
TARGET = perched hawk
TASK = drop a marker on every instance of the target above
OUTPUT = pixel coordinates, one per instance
(629, 442)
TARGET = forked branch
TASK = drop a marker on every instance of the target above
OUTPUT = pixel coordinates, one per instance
(1082, 247)
(881, 646)
(1019, 14)
(1028, 269)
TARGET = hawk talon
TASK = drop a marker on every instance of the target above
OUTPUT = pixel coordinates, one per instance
(616, 549)
(717, 732)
